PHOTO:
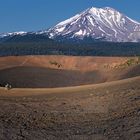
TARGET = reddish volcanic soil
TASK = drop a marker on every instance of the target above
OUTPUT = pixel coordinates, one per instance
(86, 63)
(63, 71)
(72, 109)
(108, 111)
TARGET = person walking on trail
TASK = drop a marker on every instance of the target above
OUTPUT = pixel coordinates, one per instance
(8, 86)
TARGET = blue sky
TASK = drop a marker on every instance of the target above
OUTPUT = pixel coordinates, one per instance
(33, 15)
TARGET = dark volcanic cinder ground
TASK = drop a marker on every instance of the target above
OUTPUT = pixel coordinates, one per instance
(33, 110)
(109, 111)
(31, 76)
(38, 77)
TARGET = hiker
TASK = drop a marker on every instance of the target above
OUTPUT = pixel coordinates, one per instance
(8, 86)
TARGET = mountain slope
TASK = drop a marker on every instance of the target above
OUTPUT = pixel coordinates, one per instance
(105, 24)
(99, 24)
(2, 35)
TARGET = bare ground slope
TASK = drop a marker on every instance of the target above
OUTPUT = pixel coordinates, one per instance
(63, 71)
(39, 77)
(87, 63)
(108, 111)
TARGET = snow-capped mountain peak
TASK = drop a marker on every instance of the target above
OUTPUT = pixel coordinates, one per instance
(103, 24)
(98, 23)
(2, 35)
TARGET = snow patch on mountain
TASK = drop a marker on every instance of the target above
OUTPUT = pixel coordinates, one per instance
(2, 35)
